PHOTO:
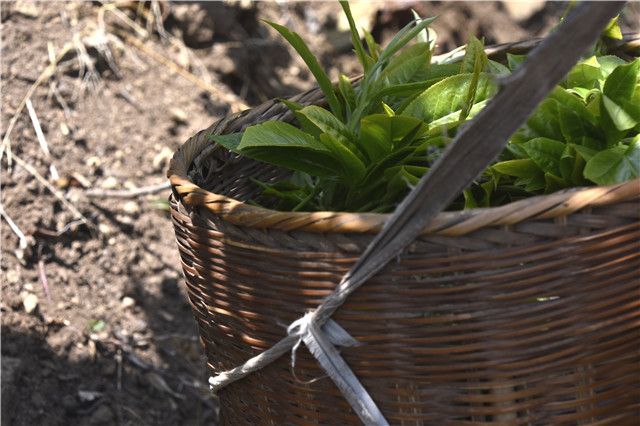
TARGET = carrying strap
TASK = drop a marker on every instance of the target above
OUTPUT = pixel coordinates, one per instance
(473, 149)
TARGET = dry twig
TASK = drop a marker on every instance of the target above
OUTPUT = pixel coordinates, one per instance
(41, 139)
(73, 209)
(23, 241)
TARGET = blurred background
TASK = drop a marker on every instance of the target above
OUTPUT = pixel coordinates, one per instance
(96, 97)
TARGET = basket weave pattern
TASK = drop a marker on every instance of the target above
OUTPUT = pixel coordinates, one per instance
(521, 314)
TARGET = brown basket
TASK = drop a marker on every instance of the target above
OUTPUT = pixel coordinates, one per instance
(521, 314)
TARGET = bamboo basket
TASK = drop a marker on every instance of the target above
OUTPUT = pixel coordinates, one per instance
(520, 314)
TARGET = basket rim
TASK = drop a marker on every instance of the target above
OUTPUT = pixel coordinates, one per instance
(457, 223)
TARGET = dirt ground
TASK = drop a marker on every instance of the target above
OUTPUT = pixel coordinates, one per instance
(96, 327)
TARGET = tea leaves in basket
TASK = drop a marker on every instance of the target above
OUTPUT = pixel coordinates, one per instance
(381, 134)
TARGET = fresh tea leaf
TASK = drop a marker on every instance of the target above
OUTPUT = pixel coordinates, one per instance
(614, 165)
(448, 97)
(621, 117)
(612, 30)
(514, 61)
(347, 92)
(321, 77)
(355, 37)
(546, 153)
(524, 168)
(474, 59)
(422, 36)
(380, 132)
(409, 65)
(328, 123)
(372, 46)
(286, 146)
(622, 82)
(229, 141)
(352, 167)
(586, 74)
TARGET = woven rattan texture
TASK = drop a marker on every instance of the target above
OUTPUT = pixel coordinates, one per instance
(522, 314)
(533, 324)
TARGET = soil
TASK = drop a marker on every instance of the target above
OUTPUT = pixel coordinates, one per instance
(96, 326)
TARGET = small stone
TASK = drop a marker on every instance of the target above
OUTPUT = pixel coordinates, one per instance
(131, 207)
(64, 129)
(75, 300)
(88, 396)
(104, 229)
(178, 115)
(12, 276)
(93, 162)
(28, 287)
(29, 302)
(129, 184)
(128, 302)
(124, 219)
(110, 183)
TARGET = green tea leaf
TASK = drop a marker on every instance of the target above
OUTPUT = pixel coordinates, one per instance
(475, 60)
(607, 64)
(514, 61)
(347, 92)
(621, 117)
(449, 96)
(355, 37)
(229, 141)
(614, 165)
(400, 181)
(303, 121)
(321, 77)
(388, 110)
(469, 200)
(576, 125)
(612, 30)
(328, 123)
(546, 153)
(422, 36)
(585, 152)
(352, 167)
(409, 65)
(622, 82)
(283, 145)
(380, 132)
(372, 46)
(586, 74)
(403, 36)
(524, 168)
(553, 183)
(497, 70)
(545, 121)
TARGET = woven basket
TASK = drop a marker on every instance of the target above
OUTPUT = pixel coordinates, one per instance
(521, 314)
